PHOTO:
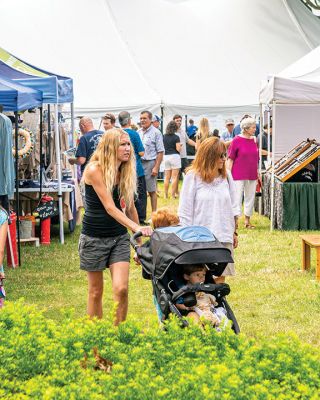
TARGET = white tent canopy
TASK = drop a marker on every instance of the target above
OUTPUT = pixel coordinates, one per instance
(196, 57)
(306, 68)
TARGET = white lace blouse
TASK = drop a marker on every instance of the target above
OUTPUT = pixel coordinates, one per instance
(212, 205)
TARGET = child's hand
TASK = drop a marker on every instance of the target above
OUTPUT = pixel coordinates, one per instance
(136, 259)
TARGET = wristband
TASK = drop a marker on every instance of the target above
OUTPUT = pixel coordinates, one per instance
(1, 269)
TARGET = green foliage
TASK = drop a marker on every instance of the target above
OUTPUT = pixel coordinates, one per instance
(42, 359)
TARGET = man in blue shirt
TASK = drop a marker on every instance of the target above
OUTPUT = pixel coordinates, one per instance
(141, 200)
(87, 144)
(191, 129)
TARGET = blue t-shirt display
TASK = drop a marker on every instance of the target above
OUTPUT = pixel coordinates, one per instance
(87, 145)
(191, 130)
(138, 148)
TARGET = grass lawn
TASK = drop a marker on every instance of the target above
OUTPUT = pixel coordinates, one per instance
(269, 294)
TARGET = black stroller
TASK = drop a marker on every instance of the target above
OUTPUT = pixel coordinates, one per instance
(162, 259)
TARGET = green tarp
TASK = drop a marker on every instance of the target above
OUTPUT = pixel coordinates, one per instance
(301, 206)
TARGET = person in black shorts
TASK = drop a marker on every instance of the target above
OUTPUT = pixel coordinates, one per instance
(110, 185)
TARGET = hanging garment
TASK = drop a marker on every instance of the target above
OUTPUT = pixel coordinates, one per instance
(7, 175)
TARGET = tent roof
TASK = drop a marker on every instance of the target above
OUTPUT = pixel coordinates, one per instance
(298, 83)
(55, 88)
(15, 97)
(188, 53)
(306, 68)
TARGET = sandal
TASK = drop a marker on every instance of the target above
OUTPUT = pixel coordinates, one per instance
(249, 226)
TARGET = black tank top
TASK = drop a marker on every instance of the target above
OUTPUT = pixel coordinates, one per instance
(96, 221)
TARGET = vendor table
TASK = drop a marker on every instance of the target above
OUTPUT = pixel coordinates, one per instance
(297, 205)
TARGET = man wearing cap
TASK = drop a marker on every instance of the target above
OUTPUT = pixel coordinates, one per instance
(108, 121)
(227, 135)
(153, 154)
(184, 139)
(156, 121)
(141, 201)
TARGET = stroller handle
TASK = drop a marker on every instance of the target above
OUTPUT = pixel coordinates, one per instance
(133, 240)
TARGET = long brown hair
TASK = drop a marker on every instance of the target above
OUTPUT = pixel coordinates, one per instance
(207, 156)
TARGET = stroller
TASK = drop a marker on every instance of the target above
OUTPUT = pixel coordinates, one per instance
(162, 259)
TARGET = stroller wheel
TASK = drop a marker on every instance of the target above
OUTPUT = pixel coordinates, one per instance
(230, 315)
(184, 323)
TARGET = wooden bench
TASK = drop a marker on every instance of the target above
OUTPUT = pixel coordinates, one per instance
(33, 240)
(308, 242)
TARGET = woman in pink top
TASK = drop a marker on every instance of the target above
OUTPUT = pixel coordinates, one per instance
(243, 163)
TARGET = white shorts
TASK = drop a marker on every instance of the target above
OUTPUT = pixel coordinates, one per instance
(172, 161)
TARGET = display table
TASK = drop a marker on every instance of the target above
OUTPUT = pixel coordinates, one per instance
(297, 205)
(72, 201)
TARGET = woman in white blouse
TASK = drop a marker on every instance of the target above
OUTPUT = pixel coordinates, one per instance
(208, 196)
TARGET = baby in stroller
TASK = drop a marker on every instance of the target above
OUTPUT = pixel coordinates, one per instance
(206, 302)
(169, 261)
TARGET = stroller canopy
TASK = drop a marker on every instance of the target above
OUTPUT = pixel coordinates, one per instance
(185, 245)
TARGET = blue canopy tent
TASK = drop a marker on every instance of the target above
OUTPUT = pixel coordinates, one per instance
(16, 97)
(56, 90)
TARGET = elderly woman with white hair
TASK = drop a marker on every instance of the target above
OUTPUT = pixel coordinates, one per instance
(243, 162)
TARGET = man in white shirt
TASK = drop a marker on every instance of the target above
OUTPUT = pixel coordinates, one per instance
(184, 139)
(153, 145)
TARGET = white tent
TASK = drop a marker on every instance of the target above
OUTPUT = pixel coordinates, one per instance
(195, 57)
(293, 98)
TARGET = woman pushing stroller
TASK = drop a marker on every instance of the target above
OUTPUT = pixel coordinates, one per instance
(110, 186)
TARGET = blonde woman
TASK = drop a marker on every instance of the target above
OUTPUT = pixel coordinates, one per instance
(208, 196)
(203, 131)
(110, 186)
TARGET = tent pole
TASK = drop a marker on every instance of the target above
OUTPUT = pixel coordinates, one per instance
(41, 155)
(58, 161)
(17, 185)
(260, 151)
(72, 124)
(162, 115)
(49, 137)
(272, 163)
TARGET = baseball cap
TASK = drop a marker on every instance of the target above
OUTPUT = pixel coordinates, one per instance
(229, 121)
(156, 118)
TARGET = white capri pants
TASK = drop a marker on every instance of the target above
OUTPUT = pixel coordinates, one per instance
(246, 189)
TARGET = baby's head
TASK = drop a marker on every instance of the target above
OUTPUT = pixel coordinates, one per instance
(194, 273)
(164, 217)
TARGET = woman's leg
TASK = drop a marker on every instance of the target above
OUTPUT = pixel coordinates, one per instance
(120, 282)
(175, 182)
(239, 193)
(95, 292)
(249, 196)
(167, 177)
(3, 237)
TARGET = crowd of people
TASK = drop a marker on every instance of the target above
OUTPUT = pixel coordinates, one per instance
(119, 169)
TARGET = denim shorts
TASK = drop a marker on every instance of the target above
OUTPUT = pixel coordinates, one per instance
(97, 253)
